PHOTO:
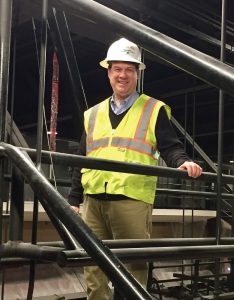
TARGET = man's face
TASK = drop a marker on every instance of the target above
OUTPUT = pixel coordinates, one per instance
(123, 79)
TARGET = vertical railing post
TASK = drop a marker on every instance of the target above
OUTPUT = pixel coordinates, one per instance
(42, 74)
(220, 151)
(17, 206)
(231, 275)
(5, 39)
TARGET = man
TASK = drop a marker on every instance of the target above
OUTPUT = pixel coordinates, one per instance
(131, 128)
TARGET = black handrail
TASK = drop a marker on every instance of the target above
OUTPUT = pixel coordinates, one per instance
(104, 258)
(154, 242)
(160, 191)
(97, 252)
(150, 254)
(116, 166)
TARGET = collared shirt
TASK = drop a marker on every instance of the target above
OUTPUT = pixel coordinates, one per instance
(124, 104)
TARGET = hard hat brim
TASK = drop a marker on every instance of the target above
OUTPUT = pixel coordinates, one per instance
(104, 63)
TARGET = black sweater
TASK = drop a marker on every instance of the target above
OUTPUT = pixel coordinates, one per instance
(168, 144)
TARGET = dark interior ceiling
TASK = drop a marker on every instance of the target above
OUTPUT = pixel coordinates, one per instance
(194, 103)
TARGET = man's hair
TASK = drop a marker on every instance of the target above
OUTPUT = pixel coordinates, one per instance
(129, 62)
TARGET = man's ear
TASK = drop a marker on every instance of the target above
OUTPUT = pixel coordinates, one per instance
(138, 74)
(108, 72)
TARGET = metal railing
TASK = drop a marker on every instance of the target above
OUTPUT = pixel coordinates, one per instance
(96, 251)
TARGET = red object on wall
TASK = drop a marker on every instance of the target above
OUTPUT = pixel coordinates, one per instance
(54, 103)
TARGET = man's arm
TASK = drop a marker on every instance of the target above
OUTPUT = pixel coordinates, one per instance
(75, 197)
(171, 149)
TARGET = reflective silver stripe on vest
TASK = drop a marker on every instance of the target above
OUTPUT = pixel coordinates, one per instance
(91, 124)
(97, 144)
(131, 144)
(142, 126)
(91, 143)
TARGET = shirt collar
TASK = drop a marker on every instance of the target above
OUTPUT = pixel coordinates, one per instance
(124, 104)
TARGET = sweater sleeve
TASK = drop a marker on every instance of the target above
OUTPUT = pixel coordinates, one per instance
(75, 197)
(169, 146)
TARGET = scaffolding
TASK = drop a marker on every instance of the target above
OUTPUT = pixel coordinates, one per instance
(82, 247)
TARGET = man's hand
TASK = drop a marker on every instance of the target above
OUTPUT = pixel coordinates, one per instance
(76, 209)
(193, 169)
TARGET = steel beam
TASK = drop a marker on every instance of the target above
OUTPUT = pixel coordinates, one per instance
(154, 242)
(5, 40)
(39, 137)
(17, 206)
(112, 165)
(169, 20)
(24, 250)
(150, 254)
(176, 53)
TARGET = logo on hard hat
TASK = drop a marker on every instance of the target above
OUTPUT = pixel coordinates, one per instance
(129, 50)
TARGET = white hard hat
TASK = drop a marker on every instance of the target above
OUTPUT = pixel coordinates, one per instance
(123, 50)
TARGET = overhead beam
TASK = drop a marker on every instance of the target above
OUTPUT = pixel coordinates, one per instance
(176, 53)
(169, 20)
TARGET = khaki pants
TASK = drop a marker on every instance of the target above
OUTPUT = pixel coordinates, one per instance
(119, 219)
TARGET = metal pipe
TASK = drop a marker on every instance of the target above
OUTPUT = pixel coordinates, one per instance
(174, 192)
(108, 262)
(160, 16)
(204, 263)
(25, 250)
(194, 10)
(5, 40)
(220, 129)
(220, 150)
(183, 91)
(178, 54)
(161, 242)
(69, 241)
(150, 254)
(12, 90)
(111, 165)
(160, 191)
(165, 242)
(198, 149)
(42, 73)
(102, 164)
(192, 142)
(17, 206)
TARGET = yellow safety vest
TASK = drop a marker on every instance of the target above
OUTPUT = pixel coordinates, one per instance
(132, 141)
